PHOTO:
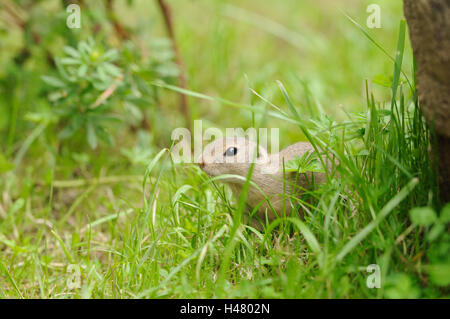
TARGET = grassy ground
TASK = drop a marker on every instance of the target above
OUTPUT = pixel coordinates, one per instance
(124, 221)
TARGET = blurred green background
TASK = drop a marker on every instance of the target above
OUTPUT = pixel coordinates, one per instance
(308, 46)
(81, 118)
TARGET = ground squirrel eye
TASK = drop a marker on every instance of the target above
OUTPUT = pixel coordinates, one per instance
(231, 151)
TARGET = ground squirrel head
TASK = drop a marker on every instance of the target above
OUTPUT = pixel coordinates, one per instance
(232, 155)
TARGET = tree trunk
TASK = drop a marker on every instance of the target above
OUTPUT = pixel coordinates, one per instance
(429, 29)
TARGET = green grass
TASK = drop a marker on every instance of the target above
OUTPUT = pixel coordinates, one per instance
(135, 225)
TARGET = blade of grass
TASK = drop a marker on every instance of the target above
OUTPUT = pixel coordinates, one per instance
(106, 218)
(371, 39)
(380, 217)
(11, 279)
(231, 243)
(63, 246)
(224, 101)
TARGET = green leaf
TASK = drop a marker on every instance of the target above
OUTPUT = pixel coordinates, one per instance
(55, 96)
(167, 70)
(445, 214)
(438, 252)
(435, 231)
(101, 72)
(307, 163)
(109, 217)
(288, 100)
(112, 69)
(70, 61)
(50, 80)
(398, 59)
(363, 152)
(84, 48)
(439, 274)
(183, 189)
(72, 52)
(67, 132)
(110, 55)
(91, 136)
(70, 129)
(151, 165)
(422, 216)
(399, 286)
(308, 234)
(40, 117)
(82, 70)
(103, 134)
(63, 247)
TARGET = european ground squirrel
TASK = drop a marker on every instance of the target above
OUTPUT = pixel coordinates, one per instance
(234, 155)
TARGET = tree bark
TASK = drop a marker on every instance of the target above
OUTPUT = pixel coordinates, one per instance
(429, 29)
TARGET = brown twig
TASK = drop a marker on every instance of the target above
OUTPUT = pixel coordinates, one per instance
(107, 93)
(121, 31)
(15, 13)
(123, 34)
(18, 16)
(165, 9)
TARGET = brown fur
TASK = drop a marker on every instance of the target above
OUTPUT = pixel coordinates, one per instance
(275, 186)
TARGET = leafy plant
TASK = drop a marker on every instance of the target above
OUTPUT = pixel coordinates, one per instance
(308, 162)
(439, 240)
(400, 285)
(93, 89)
(84, 88)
